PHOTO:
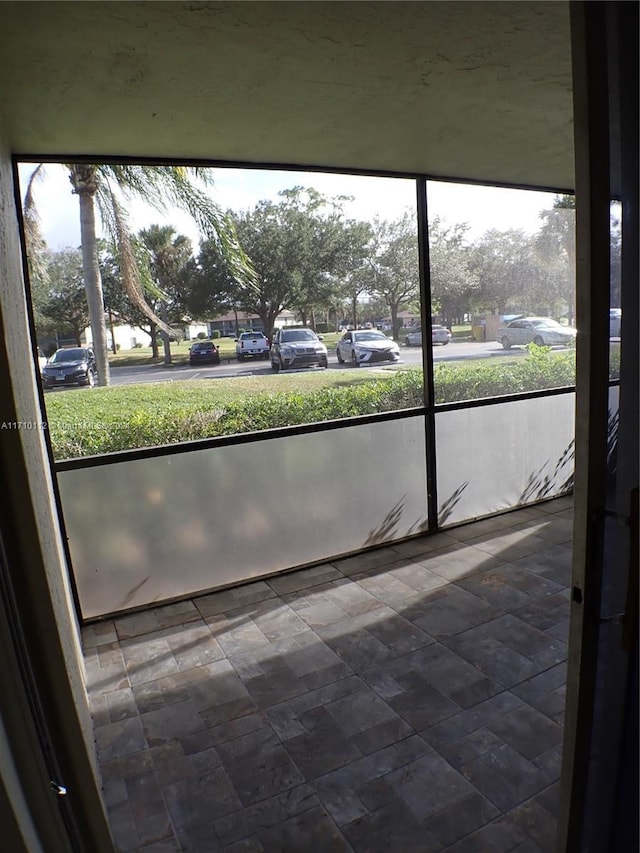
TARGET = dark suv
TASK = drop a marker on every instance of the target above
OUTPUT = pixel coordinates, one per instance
(73, 366)
(204, 352)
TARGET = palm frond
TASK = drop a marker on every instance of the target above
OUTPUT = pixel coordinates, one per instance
(166, 186)
(36, 244)
(133, 268)
(30, 210)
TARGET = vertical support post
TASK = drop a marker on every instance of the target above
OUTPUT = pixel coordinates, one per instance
(427, 351)
(598, 125)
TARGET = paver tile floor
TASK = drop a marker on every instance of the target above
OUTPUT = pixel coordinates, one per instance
(406, 699)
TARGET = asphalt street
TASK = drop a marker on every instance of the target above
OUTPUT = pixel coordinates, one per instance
(410, 355)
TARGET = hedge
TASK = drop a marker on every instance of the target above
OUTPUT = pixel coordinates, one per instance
(155, 422)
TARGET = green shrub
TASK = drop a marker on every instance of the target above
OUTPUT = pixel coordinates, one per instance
(201, 336)
(112, 419)
(215, 334)
(538, 372)
(614, 362)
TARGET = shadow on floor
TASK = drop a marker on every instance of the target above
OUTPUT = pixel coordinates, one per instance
(406, 699)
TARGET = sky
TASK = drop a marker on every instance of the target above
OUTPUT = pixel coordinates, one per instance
(481, 208)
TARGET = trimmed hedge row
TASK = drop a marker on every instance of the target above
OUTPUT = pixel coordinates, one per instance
(537, 372)
(151, 426)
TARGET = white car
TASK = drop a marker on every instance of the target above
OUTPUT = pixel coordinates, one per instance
(366, 346)
(252, 345)
(439, 335)
(542, 331)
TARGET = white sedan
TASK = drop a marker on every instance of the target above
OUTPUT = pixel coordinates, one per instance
(439, 335)
(542, 331)
(366, 346)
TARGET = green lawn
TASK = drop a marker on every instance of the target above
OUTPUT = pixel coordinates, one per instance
(112, 402)
(84, 422)
(461, 333)
(100, 420)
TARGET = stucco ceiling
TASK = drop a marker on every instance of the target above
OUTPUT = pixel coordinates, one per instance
(478, 90)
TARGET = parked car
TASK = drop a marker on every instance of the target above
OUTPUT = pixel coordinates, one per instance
(542, 331)
(439, 335)
(297, 348)
(73, 366)
(204, 352)
(413, 338)
(42, 359)
(252, 345)
(366, 346)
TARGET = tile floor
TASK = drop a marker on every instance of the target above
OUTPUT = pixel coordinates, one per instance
(407, 699)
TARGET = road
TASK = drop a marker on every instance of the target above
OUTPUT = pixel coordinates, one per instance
(410, 355)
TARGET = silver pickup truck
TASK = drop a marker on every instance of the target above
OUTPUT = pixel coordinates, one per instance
(252, 345)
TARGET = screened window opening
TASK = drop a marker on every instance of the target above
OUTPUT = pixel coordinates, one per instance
(221, 301)
(502, 273)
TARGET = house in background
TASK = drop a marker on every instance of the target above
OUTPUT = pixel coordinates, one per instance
(229, 324)
(130, 337)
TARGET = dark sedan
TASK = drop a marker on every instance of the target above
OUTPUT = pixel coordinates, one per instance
(73, 366)
(204, 352)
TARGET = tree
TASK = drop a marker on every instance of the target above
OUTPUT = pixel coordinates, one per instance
(172, 270)
(566, 202)
(329, 248)
(453, 281)
(64, 311)
(272, 252)
(118, 306)
(168, 253)
(555, 247)
(161, 186)
(393, 265)
(506, 271)
(300, 249)
(208, 285)
(37, 256)
(354, 279)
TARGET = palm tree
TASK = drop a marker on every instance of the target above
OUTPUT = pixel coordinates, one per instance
(168, 253)
(103, 185)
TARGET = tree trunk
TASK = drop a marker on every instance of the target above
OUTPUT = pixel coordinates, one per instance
(268, 317)
(395, 330)
(114, 348)
(165, 337)
(267, 323)
(93, 284)
(354, 312)
(153, 331)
